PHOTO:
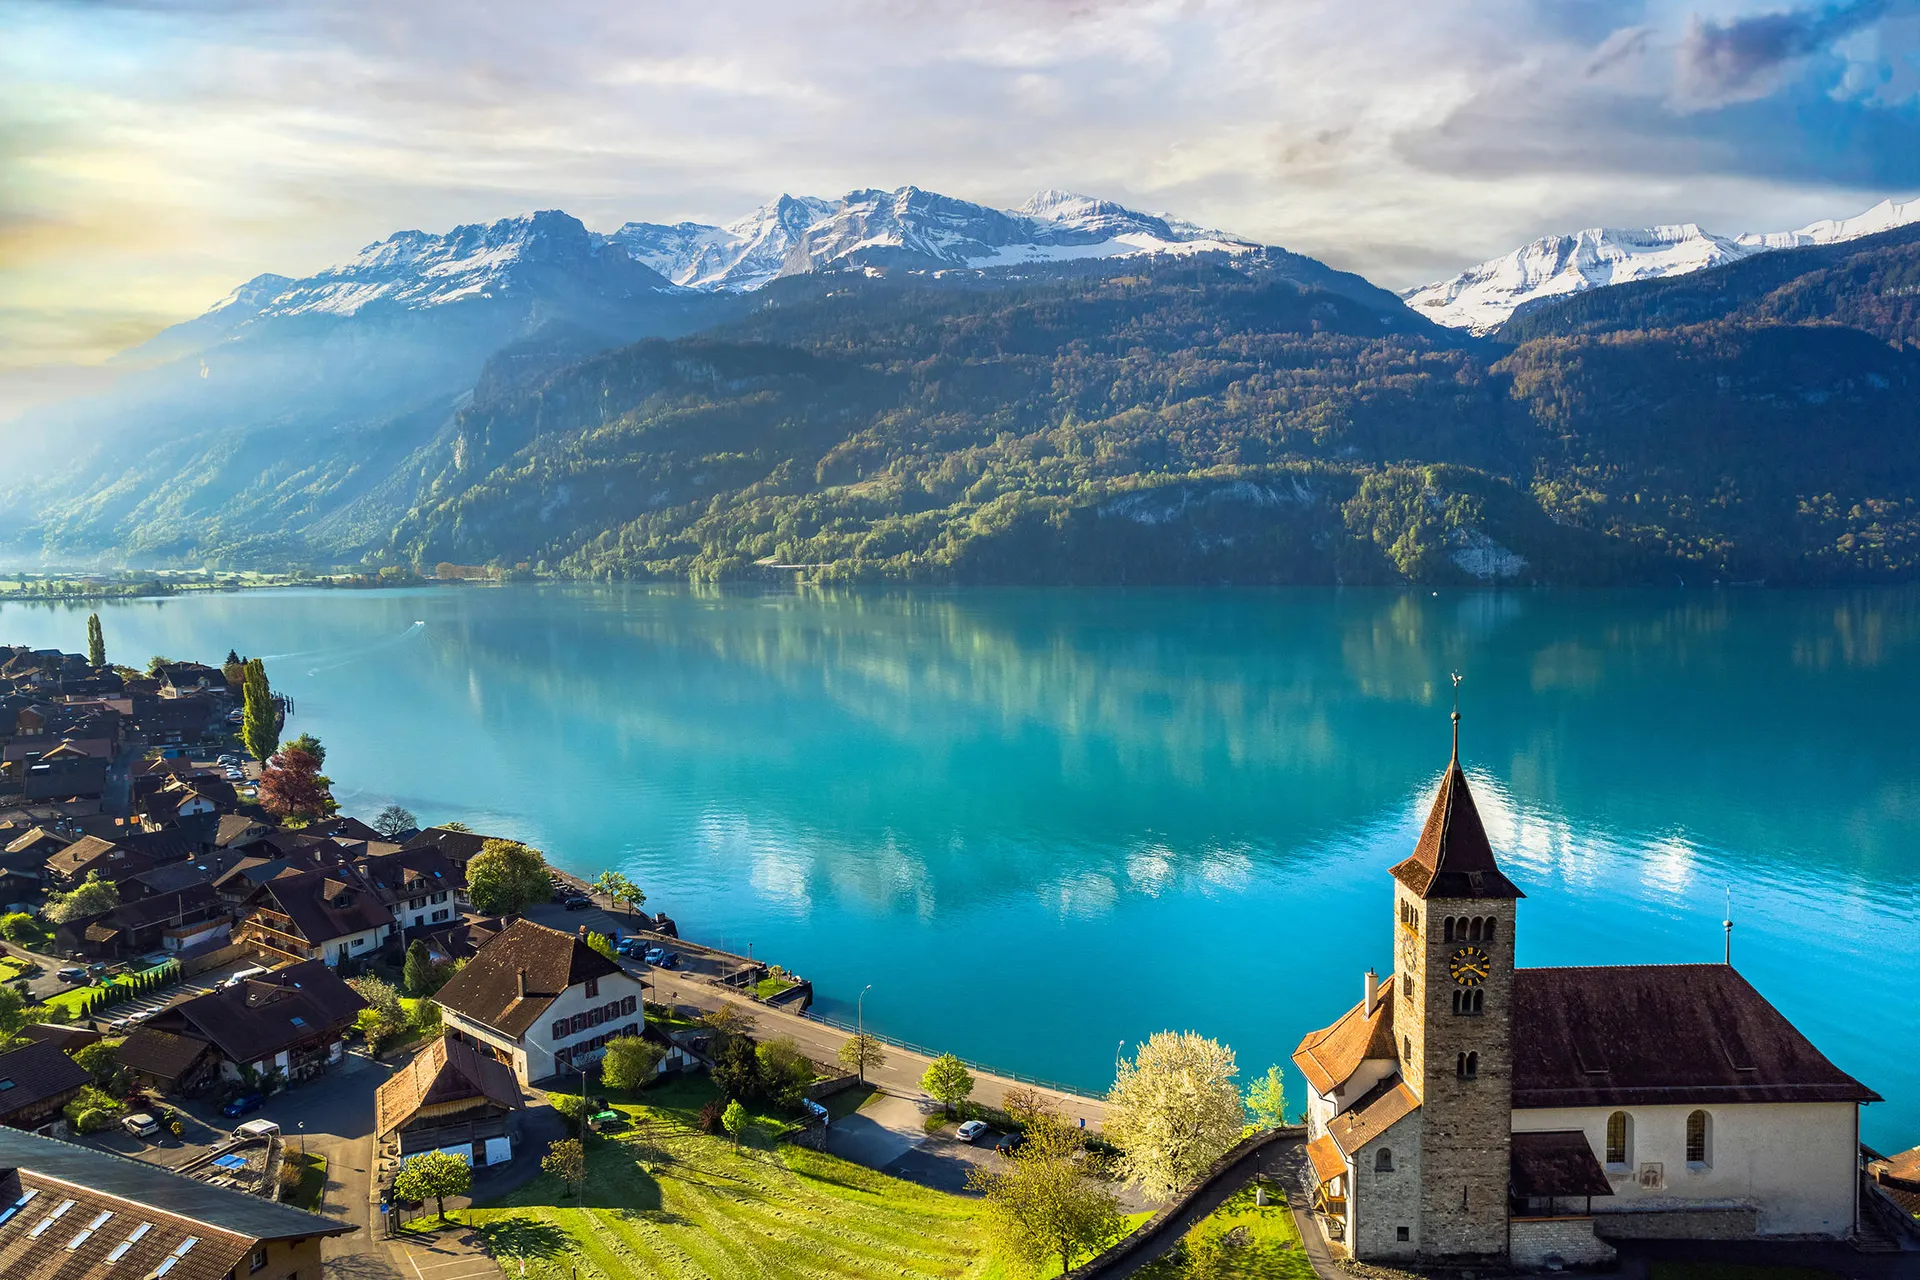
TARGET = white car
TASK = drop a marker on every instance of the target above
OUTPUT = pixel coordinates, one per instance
(256, 1129)
(972, 1130)
(140, 1125)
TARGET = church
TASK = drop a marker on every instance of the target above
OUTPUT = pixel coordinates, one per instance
(1469, 1110)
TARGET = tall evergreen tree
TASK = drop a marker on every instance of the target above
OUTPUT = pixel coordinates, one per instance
(260, 722)
(96, 641)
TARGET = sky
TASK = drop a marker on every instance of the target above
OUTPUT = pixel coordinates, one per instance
(153, 155)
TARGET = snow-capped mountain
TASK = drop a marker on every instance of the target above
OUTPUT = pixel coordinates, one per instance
(414, 270)
(1481, 298)
(908, 228)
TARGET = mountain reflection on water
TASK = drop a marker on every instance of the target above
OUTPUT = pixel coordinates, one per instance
(1040, 822)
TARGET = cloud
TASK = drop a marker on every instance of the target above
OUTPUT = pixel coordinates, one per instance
(1742, 59)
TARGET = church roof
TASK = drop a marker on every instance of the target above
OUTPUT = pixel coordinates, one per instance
(1644, 1034)
(1453, 858)
(1385, 1105)
(1327, 1058)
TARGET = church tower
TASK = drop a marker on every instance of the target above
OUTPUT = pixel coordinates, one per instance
(1453, 970)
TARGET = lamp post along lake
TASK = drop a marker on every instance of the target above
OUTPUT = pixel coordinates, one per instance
(1043, 823)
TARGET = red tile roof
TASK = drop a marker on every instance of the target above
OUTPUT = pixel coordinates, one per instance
(1385, 1105)
(1328, 1057)
(1453, 858)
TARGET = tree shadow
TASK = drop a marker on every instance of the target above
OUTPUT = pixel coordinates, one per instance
(522, 1238)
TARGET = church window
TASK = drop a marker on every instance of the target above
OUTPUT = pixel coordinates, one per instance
(1406, 985)
(1401, 1233)
(1467, 1066)
(1469, 1003)
(1619, 1131)
(1473, 932)
(1698, 1129)
(1449, 928)
(1491, 922)
(1406, 1048)
(1383, 1160)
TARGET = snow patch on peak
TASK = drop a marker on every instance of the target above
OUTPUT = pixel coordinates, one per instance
(1482, 297)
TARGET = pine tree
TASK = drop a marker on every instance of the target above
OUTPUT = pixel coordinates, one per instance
(260, 722)
(96, 642)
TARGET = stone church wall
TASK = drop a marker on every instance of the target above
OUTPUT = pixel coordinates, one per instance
(1536, 1240)
(1382, 1203)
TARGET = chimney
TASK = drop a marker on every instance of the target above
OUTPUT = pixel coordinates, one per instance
(523, 984)
(1372, 1001)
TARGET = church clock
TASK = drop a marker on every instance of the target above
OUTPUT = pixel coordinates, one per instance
(1469, 966)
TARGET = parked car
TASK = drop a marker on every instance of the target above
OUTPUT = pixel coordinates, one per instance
(631, 948)
(971, 1130)
(71, 974)
(256, 1129)
(577, 903)
(671, 960)
(242, 1105)
(1010, 1143)
(654, 954)
(140, 1125)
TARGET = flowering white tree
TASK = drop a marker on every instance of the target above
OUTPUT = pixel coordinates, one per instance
(1173, 1110)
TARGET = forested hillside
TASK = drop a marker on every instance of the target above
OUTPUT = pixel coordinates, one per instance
(1194, 422)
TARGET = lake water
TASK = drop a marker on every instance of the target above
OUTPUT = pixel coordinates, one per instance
(1042, 823)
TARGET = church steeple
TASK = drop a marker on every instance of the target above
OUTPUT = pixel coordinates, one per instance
(1453, 858)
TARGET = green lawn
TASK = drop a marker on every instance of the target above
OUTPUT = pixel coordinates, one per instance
(1238, 1240)
(313, 1180)
(663, 1199)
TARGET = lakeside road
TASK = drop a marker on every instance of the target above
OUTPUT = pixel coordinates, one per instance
(899, 1074)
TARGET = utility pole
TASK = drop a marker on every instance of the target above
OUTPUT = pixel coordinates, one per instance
(860, 1008)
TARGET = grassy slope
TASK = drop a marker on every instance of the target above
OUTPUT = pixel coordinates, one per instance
(1239, 1239)
(663, 1199)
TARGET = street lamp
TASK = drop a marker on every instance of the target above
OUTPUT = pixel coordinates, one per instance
(1116, 1058)
(860, 1040)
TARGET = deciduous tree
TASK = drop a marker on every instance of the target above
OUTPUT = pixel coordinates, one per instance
(1039, 1206)
(418, 971)
(630, 1062)
(1267, 1100)
(1173, 1110)
(311, 745)
(604, 945)
(393, 820)
(785, 1070)
(734, 1119)
(91, 897)
(260, 715)
(433, 1173)
(861, 1052)
(96, 642)
(947, 1081)
(506, 877)
(294, 790)
(566, 1160)
(736, 1068)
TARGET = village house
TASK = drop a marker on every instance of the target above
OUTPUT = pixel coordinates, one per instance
(292, 1020)
(451, 1097)
(329, 915)
(179, 1065)
(420, 886)
(1470, 1110)
(36, 1080)
(540, 1000)
(179, 679)
(126, 1218)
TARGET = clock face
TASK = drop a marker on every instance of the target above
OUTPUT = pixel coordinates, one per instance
(1469, 966)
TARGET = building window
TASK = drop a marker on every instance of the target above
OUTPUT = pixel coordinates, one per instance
(1699, 1130)
(1491, 922)
(1619, 1136)
(1406, 985)
(1383, 1160)
(1406, 1048)
(1468, 1066)
(559, 1028)
(1401, 1233)
(258, 1260)
(593, 987)
(628, 1005)
(1449, 930)
(1469, 1004)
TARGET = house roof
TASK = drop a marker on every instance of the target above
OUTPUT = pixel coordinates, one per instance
(1643, 1034)
(35, 1072)
(267, 1014)
(488, 990)
(1557, 1162)
(161, 1053)
(84, 854)
(391, 872)
(1452, 858)
(443, 1072)
(459, 939)
(176, 876)
(1327, 1058)
(326, 904)
(163, 906)
(67, 1039)
(461, 846)
(37, 838)
(1327, 1161)
(1382, 1107)
(122, 1195)
(238, 829)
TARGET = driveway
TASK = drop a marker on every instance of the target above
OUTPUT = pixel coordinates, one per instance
(879, 1134)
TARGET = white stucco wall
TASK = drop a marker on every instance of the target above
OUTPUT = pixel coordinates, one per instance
(533, 1054)
(1794, 1162)
(359, 945)
(1324, 1107)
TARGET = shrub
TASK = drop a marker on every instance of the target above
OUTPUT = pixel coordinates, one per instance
(21, 928)
(712, 1116)
(570, 1106)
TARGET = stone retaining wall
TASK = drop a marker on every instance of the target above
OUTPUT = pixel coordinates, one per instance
(1532, 1242)
(1731, 1222)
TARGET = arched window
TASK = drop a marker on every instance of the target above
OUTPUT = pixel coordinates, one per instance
(1383, 1161)
(1456, 1000)
(1619, 1138)
(1699, 1132)
(1406, 985)
(1474, 929)
(1467, 1066)
(1491, 922)
(1406, 1048)
(1449, 928)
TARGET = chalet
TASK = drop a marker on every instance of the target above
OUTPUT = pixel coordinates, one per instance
(170, 922)
(328, 915)
(36, 1080)
(91, 854)
(540, 1000)
(179, 679)
(420, 886)
(451, 1097)
(175, 1064)
(460, 847)
(65, 1037)
(87, 1214)
(291, 1020)
(459, 939)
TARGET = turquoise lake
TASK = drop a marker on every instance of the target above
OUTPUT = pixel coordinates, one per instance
(1044, 823)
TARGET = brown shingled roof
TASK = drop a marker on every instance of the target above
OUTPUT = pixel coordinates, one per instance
(1641, 1034)
(1453, 858)
(1328, 1057)
(1558, 1162)
(161, 1054)
(443, 1072)
(1385, 1105)
(488, 988)
(1328, 1163)
(34, 1072)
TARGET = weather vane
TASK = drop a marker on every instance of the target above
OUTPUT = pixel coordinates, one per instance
(1456, 717)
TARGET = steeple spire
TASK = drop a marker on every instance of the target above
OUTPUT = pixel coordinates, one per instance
(1454, 858)
(1456, 720)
